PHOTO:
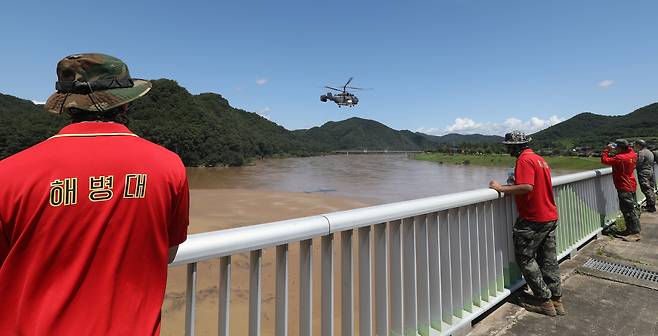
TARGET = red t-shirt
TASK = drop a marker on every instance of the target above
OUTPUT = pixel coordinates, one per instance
(623, 166)
(537, 205)
(86, 220)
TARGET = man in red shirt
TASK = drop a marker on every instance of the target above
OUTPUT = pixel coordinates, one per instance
(534, 230)
(90, 217)
(623, 165)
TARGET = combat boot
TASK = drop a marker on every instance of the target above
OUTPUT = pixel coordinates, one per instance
(631, 237)
(543, 307)
(559, 307)
(621, 234)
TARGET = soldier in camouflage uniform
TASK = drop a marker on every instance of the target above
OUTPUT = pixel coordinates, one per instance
(534, 230)
(645, 174)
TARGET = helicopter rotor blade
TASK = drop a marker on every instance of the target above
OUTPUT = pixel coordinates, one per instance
(357, 88)
(348, 82)
(329, 87)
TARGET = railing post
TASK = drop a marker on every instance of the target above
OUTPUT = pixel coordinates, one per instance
(475, 253)
(347, 291)
(434, 263)
(465, 240)
(381, 280)
(422, 275)
(409, 277)
(395, 276)
(327, 257)
(456, 263)
(254, 292)
(281, 314)
(224, 295)
(305, 287)
(500, 242)
(190, 305)
(483, 255)
(492, 270)
(365, 282)
(446, 220)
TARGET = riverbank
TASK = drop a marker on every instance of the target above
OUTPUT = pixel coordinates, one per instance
(505, 160)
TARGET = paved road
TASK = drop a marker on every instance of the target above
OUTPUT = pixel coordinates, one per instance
(597, 303)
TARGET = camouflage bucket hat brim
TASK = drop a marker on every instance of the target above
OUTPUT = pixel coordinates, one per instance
(78, 84)
(98, 100)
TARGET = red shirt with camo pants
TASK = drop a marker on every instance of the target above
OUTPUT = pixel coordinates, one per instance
(539, 204)
(623, 167)
(86, 221)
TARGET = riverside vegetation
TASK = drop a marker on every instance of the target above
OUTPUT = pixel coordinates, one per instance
(204, 130)
(505, 160)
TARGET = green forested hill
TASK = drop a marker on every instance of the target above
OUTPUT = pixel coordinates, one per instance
(23, 124)
(357, 133)
(206, 131)
(203, 129)
(589, 129)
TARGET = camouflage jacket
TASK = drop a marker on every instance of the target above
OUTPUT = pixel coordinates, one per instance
(644, 160)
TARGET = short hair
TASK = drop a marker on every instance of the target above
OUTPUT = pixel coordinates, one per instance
(117, 114)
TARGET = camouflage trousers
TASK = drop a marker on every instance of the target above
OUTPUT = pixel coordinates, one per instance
(536, 255)
(630, 209)
(647, 185)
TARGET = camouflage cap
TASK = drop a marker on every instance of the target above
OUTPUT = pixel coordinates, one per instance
(622, 143)
(516, 138)
(94, 82)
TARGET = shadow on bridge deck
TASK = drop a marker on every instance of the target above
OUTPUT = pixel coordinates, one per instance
(597, 303)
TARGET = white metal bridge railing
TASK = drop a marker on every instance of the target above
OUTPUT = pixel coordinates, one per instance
(427, 266)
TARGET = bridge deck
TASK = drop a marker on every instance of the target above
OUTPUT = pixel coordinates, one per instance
(597, 303)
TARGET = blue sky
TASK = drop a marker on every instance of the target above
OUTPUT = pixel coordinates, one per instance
(435, 66)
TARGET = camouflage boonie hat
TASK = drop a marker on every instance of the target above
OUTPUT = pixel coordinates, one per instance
(516, 138)
(94, 82)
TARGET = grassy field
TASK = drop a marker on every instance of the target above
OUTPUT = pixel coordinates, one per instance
(504, 160)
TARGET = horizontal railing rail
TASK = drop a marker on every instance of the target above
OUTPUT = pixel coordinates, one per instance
(430, 265)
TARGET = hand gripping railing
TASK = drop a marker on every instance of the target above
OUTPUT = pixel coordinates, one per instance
(438, 262)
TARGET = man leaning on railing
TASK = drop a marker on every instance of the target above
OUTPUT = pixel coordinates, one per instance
(90, 217)
(534, 231)
(622, 158)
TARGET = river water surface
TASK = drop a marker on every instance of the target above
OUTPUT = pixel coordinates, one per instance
(279, 189)
(375, 179)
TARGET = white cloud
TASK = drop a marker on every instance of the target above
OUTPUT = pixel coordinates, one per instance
(431, 130)
(605, 84)
(38, 102)
(470, 126)
(264, 112)
(262, 81)
(463, 124)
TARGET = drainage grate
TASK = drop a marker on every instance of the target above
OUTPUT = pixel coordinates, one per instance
(630, 271)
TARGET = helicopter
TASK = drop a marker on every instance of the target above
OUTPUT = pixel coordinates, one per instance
(343, 97)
